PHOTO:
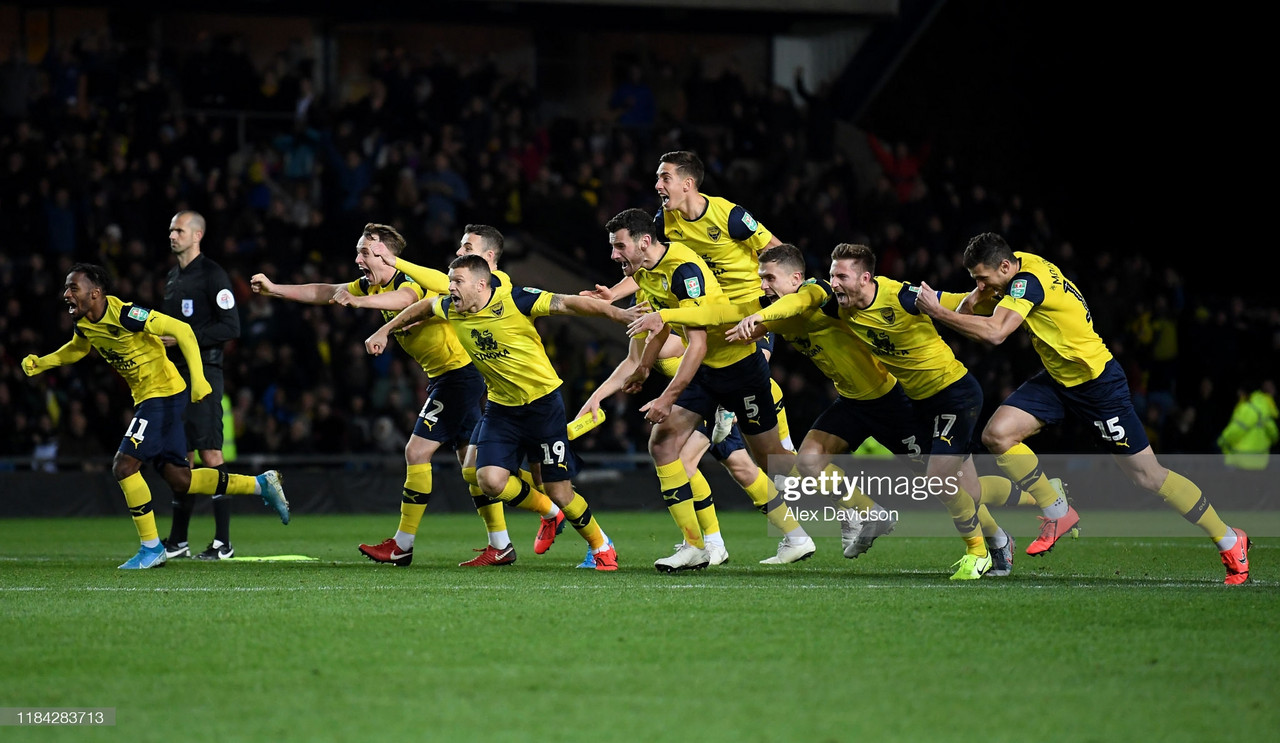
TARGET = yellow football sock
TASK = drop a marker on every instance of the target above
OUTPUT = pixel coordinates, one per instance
(964, 514)
(414, 496)
(784, 430)
(1023, 468)
(1001, 491)
(1185, 497)
(857, 499)
(207, 481)
(677, 493)
(527, 496)
(490, 509)
(988, 522)
(138, 497)
(578, 513)
(704, 506)
(767, 501)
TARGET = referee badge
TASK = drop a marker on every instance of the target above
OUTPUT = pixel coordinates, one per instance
(188, 307)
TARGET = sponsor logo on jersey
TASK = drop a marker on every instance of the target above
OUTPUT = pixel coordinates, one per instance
(693, 287)
(1018, 289)
(137, 313)
(749, 221)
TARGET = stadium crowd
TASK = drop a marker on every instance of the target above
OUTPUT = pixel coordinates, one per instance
(100, 145)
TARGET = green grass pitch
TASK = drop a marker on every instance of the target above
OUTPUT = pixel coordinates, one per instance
(1106, 639)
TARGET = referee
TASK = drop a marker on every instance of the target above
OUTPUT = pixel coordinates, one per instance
(198, 292)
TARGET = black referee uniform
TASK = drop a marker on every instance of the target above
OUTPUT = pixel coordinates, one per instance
(200, 295)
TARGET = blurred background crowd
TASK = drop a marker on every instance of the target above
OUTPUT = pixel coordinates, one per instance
(101, 142)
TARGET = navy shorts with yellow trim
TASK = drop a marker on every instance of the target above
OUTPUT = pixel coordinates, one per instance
(1105, 402)
(507, 435)
(766, 343)
(947, 419)
(742, 387)
(731, 443)
(889, 419)
(156, 434)
(455, 401)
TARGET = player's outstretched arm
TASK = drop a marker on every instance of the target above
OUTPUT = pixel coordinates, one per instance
(393, 300)
(568, 304)
(428, 278)
(303, 293)
(160, 324)
(75, 349)
(657, 409)
(414, 313)
(993, 329)
(620, 290)
(750, 329)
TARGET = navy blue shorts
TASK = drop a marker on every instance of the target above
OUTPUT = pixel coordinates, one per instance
(508, 435)
(1105, 402)
(948, 419)
(454, 404)
(732, 443)
(889, 419)
(157, 432)
(742, 387)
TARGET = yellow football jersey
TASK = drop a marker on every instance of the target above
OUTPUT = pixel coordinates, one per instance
(504, 345)
(905, 340)
(431, 342)
(123, 339)
(1054, 311)
(729, 241)
(821, 336)
(682, 279)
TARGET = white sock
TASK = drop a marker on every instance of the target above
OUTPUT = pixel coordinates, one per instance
(549, 514)
(797, 535)
(715, 538)
(1227, 542)
(153, 543)
(1056, 509)
(404, 540)
(257, 486)
(499, 539)
(999, 540)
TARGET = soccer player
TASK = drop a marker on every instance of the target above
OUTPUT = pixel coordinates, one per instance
(730, 452)
(712, 372)
(524, 415)
(726, 237)
(455, 389)
(486, 242)
(946, 398)
(1080, 378)
(128, 338)
(871, 401)
(199, 291)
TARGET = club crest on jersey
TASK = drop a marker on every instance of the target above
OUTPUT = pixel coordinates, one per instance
(188, 307)
(887, 314)
(693, 287)
(497, 309)
(137, 313)
(1018, 289)
(713, 232)
(749, 221)
(663, 283)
